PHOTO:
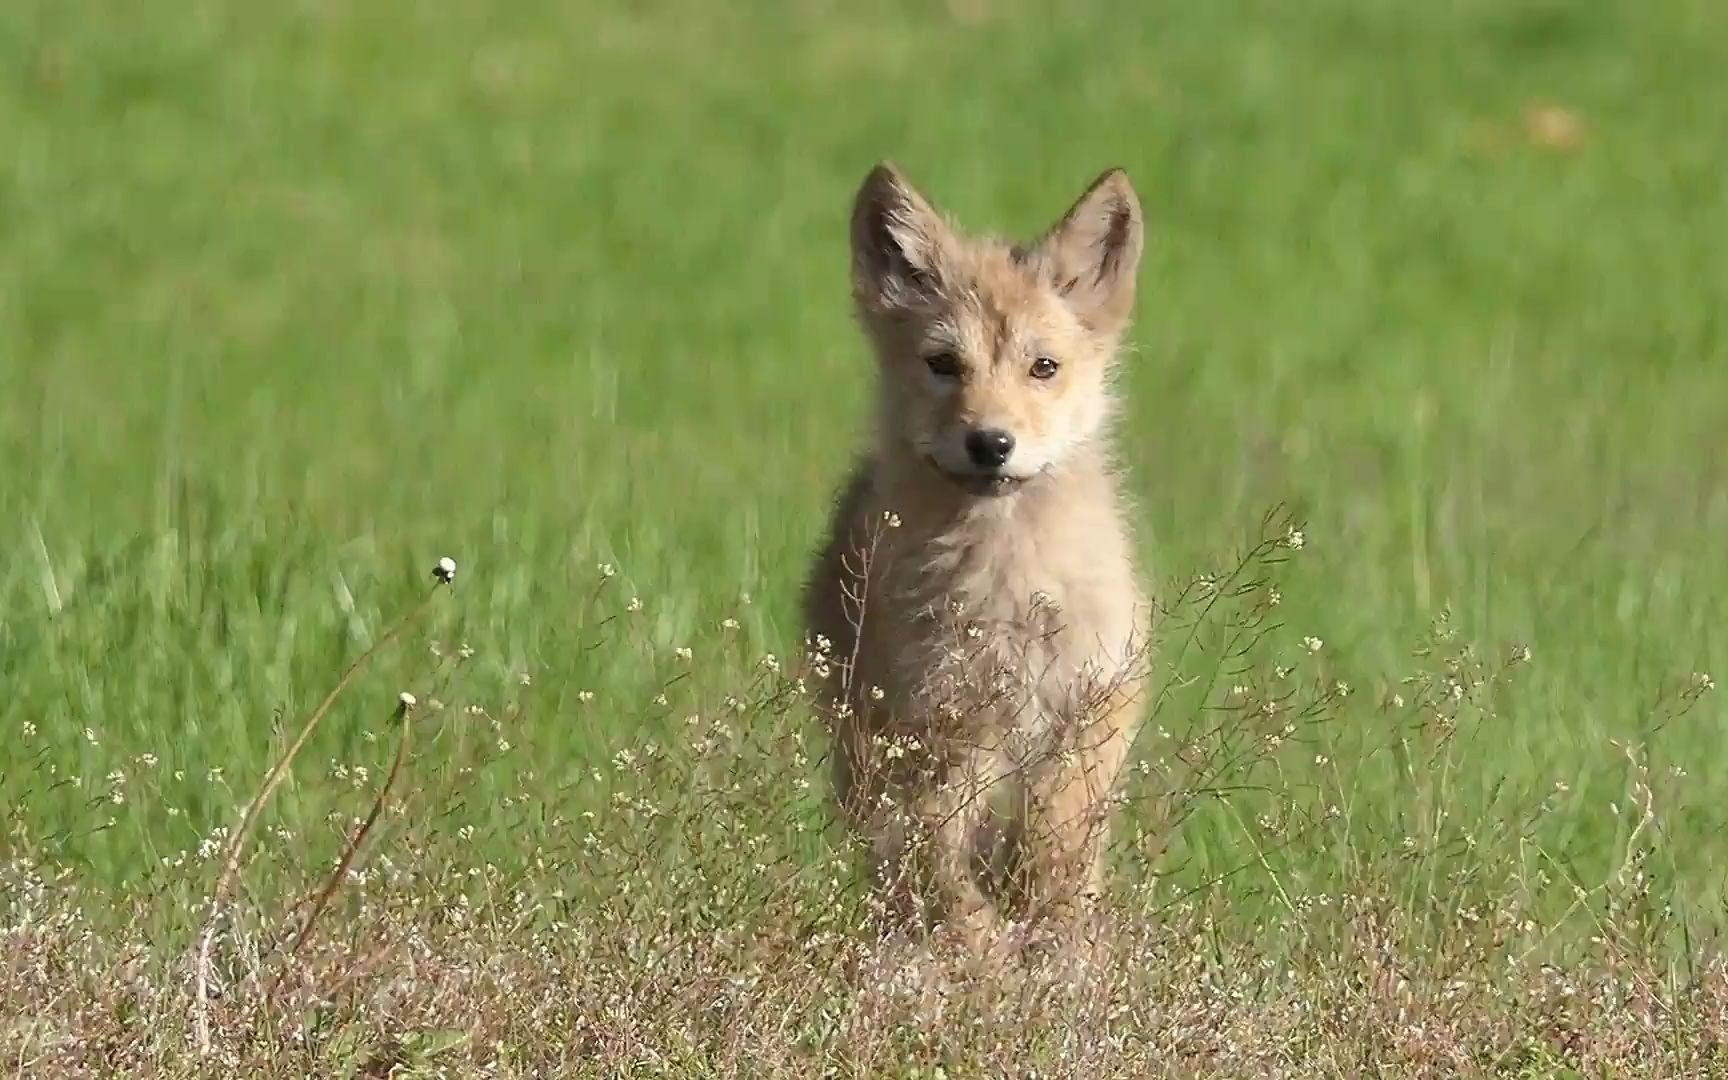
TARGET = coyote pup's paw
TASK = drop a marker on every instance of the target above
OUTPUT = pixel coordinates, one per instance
(979, 934)
(1065, 940)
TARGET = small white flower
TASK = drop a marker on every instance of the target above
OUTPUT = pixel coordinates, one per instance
(90, 736)
(876, 693)
(445, 571)
(607, 570)
(584, 696)
(770, 662)
(1293, 539)
(635, 604)
(1313, 644)
(406, 701)
(683, 653)
(728, 623)
(891, 519)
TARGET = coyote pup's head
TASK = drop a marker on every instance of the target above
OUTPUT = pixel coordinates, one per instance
(994, 357)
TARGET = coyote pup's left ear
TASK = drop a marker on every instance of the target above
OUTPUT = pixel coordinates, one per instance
(1092, 254)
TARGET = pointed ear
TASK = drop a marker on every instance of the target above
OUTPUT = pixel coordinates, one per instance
(897, 241)
(1093, 253)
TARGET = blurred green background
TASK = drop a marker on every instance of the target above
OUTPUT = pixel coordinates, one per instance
(295, 298)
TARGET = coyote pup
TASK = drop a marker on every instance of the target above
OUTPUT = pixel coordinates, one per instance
(976, 601)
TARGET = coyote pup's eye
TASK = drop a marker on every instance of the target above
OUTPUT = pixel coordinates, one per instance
(1044, 368)
(946, 365)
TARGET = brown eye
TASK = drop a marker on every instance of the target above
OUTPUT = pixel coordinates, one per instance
(946, 365)
(1044, 368)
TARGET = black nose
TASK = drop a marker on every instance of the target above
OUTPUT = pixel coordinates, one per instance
(989, 447)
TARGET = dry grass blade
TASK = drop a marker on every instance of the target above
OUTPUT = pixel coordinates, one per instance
(404, 712)
(272, 780)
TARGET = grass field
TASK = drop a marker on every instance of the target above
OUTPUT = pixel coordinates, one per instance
(295, 299)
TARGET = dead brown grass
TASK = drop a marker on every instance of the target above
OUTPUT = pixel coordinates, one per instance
(419, 980)
(687, 909)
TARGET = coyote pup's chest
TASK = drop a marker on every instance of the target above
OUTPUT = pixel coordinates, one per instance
(988, 621)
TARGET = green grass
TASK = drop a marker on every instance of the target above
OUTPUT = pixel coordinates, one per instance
(296, 298)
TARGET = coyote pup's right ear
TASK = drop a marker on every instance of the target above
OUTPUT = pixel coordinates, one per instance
(897, 241)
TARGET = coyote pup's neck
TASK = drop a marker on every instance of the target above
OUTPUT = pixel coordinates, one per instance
(1061, 536)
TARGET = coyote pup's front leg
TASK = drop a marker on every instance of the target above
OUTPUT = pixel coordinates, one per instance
(1069, 808)
(951, 813)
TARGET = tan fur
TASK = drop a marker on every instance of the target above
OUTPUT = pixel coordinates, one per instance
(984, 629)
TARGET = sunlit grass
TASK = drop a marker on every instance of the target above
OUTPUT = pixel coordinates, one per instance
(294, 300)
